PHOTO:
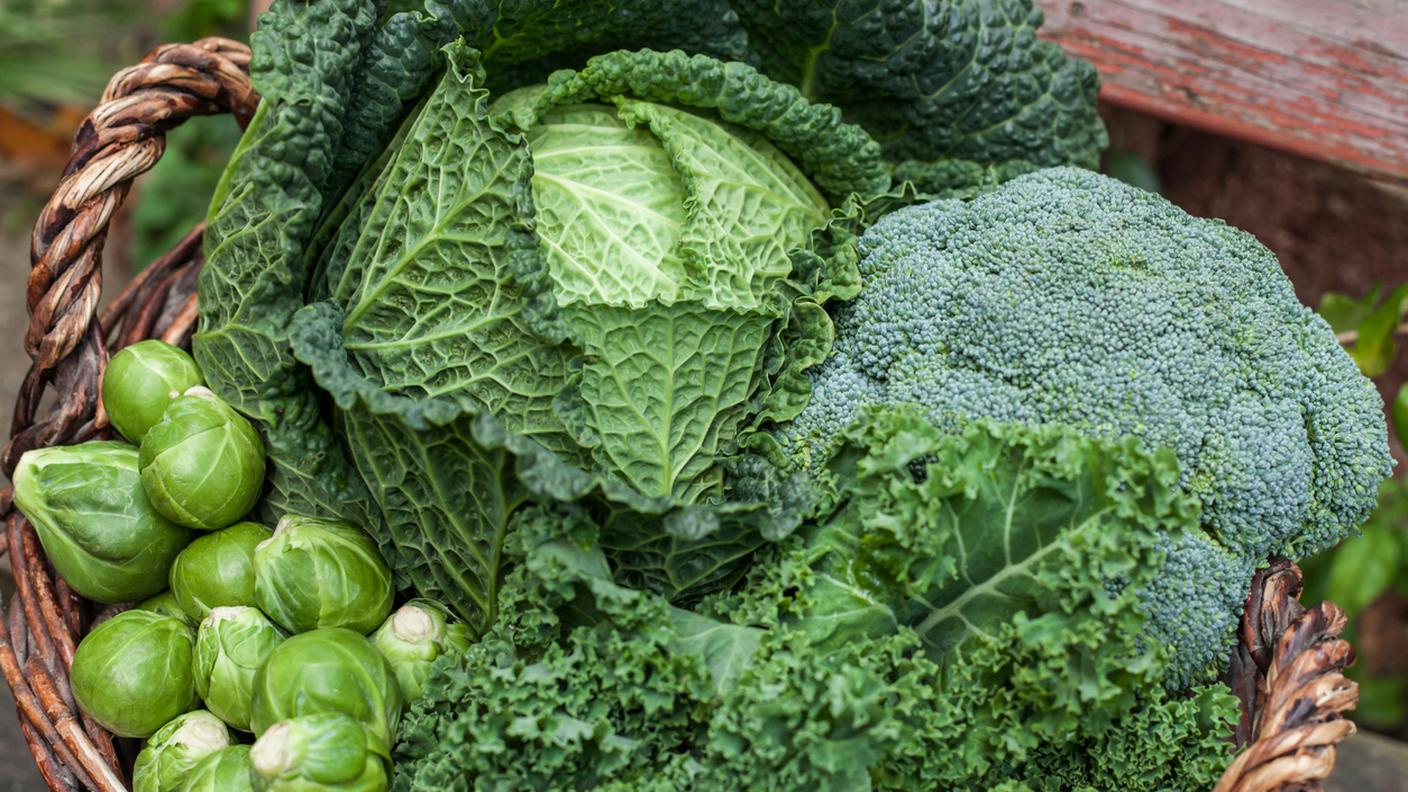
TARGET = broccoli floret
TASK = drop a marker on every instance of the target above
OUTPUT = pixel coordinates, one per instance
(1067, 297)
(1194, 605)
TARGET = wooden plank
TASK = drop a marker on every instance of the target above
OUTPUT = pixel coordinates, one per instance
(1326, 79)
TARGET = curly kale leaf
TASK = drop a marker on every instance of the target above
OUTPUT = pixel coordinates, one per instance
(811, 675)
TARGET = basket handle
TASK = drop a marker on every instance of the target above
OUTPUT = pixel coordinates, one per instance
(1287, 669)
(121, 139)
(67, 343)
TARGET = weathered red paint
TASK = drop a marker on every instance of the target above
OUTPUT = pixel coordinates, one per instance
(1326, 79)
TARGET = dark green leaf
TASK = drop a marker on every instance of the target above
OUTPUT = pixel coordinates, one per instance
(1382, 700)
(1375, 348)
(1130, 168)
(1399, 412)
(1343, 312)
(1363, 568)
(960, 80)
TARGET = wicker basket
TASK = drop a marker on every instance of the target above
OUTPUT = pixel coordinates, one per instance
(1286, 668)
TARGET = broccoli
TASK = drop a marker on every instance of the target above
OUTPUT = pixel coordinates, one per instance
(1067, 297)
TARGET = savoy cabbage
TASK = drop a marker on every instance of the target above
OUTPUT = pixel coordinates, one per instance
(507, 274)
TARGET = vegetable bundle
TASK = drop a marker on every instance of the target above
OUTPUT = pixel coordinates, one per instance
(267, 630)
(768, 389)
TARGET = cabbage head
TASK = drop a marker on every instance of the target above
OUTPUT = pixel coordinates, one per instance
(448, 278)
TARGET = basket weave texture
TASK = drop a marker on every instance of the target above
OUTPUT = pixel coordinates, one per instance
(1286, 668)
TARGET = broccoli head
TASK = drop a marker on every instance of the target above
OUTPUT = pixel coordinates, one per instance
(1070, 298)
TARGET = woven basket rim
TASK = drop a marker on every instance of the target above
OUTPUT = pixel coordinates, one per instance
(1286, 668)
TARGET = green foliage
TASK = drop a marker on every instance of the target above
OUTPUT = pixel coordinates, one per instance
(495, 300)
(63, 52)
(1017, 660)
(1067, 297)
(1374, 320)
(1360, 570)
(168, 200)
(1356, 574)
(1398, 413)
(42, 60)
(1131, 169)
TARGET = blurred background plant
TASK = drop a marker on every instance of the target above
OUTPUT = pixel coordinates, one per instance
(56, 56)
(1368, 574)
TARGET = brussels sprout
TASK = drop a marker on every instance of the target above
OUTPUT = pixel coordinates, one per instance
(226, 770)
(217, 569)
(95, 522)
(132, 673)
(175, 749)
(413, 637)
(233, 642)
(321, 573)
(165, 603)
(202, 463)
(328, 670)
(141, 380)
(329, 752)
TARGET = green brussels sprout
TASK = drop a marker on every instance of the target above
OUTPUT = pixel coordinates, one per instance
(331, 669)
(321, 573)
(413, 637)
(165, 603)
(175, 749)
(94, 520)
(217, 569)
(232, 644)
(226, 770)
(132, 673)
(202, 463)
(141, 380)
(328, 752)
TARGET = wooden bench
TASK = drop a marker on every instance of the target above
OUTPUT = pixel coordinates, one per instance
(1325, 79)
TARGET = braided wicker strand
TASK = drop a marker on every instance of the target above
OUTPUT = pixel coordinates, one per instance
(1286, 669)
(69, 343)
